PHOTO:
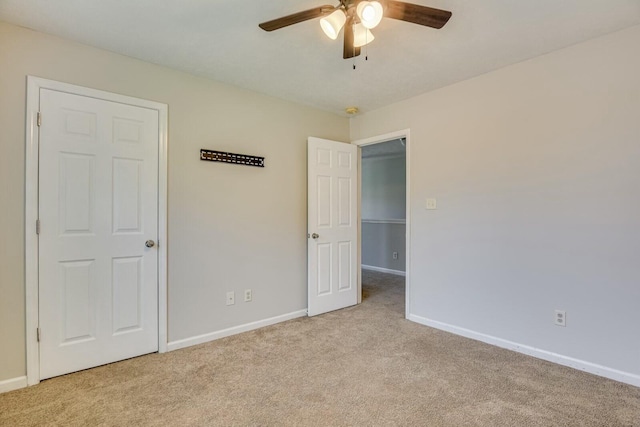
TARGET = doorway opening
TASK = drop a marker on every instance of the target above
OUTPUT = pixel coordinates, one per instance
(384, 213)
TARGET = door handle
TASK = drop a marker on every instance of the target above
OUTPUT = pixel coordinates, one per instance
(149, 243)
(315, 236)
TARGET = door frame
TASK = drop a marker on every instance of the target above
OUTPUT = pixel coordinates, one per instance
(32, 165)
(404, 133)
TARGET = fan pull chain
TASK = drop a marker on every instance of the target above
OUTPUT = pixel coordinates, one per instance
(366, 46)
(353, 45)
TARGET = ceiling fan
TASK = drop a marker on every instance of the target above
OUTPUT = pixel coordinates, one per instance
(358, 17)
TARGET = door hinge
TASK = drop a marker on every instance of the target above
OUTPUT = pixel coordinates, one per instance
(37, 226)
(38, 334)
(39, 119)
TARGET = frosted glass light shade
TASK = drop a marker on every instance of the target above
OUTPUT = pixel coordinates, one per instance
(361, 36)
(370, 13)
(332, 24)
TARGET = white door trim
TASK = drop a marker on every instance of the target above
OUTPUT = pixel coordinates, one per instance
(404, 133)
(34, 84)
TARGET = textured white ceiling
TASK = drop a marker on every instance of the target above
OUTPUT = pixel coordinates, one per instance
(220, 39)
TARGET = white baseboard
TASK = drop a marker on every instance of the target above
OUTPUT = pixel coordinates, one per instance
(200, 339)
(384, 270)
(592, 368)
(13, 384)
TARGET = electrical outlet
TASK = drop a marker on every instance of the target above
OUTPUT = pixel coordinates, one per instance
(247, 295)
(561, 318)
(395, 255)
(432, 204)
(231, 298)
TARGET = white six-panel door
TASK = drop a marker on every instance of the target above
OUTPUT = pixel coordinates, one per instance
(98, 205)
(332, 225)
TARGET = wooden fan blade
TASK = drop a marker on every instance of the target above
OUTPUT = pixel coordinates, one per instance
(295, 18)
(349, 50)
(421, 15)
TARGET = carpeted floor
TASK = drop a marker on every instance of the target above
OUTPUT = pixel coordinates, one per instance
(361, 366)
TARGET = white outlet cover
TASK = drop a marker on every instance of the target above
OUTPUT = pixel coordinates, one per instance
(231, 297)
(560, 318)
(432, 204)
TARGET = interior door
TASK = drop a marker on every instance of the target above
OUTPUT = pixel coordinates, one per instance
(98, 211)
(332, 225)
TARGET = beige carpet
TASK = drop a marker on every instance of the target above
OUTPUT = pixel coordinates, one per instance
(362, 366)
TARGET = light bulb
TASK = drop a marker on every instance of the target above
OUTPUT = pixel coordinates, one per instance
(332, 24)
(370, 13)
(361, 36)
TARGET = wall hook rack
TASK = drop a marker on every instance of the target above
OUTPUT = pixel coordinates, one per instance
(238, 159)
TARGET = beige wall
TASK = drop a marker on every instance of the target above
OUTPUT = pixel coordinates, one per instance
(536, 172)
(230, 227)
(534, 167)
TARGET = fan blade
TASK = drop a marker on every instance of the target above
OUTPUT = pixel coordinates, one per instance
(295, 18)
(349, 50)
(421, 15)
